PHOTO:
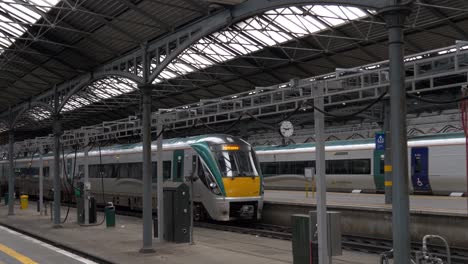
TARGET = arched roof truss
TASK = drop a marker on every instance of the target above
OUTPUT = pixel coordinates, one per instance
(231, 50)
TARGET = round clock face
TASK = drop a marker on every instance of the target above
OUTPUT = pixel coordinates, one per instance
(286, 129)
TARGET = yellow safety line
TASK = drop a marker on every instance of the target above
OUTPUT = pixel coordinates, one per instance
(12, 253)
(388, 168)
(388, 183)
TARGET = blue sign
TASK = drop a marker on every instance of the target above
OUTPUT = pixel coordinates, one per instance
(380, 141)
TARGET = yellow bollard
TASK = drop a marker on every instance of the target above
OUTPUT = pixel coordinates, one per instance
(24, 202)
(313, 187)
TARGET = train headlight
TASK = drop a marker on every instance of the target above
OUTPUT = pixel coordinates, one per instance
(214, 188)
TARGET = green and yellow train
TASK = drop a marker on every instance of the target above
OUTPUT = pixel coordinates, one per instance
(227, 181)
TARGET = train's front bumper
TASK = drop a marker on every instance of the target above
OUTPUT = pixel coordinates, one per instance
(248, 208)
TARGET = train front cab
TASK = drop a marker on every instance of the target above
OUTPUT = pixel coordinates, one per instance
(230, 184)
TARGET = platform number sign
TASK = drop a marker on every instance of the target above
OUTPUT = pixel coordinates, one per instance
(380, 141)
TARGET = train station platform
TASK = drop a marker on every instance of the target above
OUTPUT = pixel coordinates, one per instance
(418, 203)
(122, 243)
(367, 215)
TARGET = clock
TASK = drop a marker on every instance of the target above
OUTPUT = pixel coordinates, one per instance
(286, 129)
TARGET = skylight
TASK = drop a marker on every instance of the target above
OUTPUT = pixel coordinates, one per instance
(98, 91)
(17, 16)
(272, 28)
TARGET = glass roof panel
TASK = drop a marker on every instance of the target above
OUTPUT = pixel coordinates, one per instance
(100, 90)
(17, 14)
(272, 28)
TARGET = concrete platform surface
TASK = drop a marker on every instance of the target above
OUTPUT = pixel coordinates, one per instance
(418, 203)
(122, 243)
(18, 248)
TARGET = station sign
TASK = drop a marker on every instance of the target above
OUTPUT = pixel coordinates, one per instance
(380, 140)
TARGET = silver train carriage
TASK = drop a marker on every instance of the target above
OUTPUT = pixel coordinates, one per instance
(436, 165)
(227, 180)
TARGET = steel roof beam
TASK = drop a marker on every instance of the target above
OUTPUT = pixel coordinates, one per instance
(145, 14)
(219, 20)
(463, 34)
(94, 40)
(108, 23)
(341, 32)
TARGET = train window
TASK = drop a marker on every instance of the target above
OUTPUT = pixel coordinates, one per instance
(337, 167)
(348, 166)
(285, 167)
(417, 163)
(80, 173)
(123, 170)
(360, 166)
(46, 172)
(382, 164)
(167, 168)
(104, 170)
(236, 163)
(135, 170)
(27, 172)
(202, 172)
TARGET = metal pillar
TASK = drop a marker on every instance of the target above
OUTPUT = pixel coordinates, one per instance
(319, 125)
(57, 183)
(11, 176)
(41, 182)
(388, 182)
(86, 182)
(160, 178)
(147, 175)
(395, 17)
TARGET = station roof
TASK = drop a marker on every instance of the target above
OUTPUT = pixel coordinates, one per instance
(48, 42)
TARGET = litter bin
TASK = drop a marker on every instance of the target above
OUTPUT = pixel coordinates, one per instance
(110, 215)
(6, 198)
(24, 202)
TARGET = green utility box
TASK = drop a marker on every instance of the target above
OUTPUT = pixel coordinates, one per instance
(300, 239)
(304, 240)
(6, 198)
(333, 231)
(177, 212)
(110, 215)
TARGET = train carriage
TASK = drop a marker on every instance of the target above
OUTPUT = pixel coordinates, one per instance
(227, 182)
(436, 165)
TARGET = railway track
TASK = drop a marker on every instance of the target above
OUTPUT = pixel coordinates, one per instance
(353, 243)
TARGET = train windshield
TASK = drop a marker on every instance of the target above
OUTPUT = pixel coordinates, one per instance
(236, 163)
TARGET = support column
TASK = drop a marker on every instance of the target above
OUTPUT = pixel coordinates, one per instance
(11, 176)
(86, 182)
(319, 126)
(388, 181)
(57, 129)
(395, 17)
(147, 174)
(160, 179)
(41, 182)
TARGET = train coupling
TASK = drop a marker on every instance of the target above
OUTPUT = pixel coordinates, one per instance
(247, 211)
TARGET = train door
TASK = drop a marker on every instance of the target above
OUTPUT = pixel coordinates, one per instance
(420, 169)
(379, 174)
(178, 165)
